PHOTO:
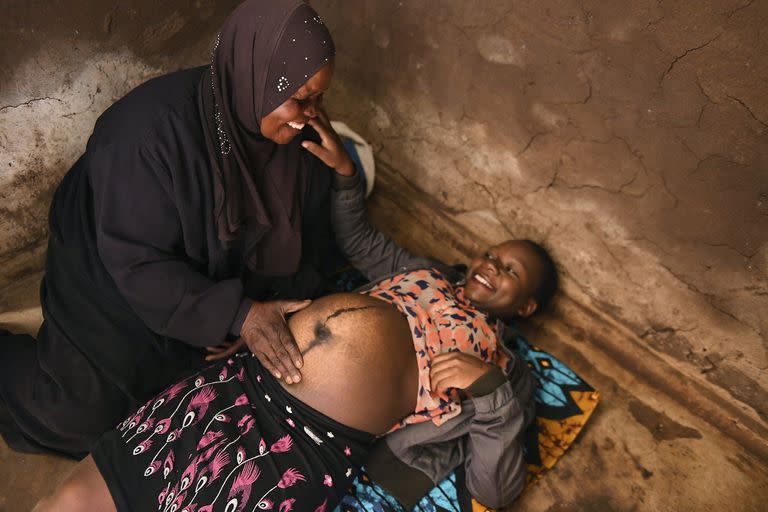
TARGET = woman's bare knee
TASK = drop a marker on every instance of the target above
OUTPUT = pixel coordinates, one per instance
(84, 490)
(69, 496)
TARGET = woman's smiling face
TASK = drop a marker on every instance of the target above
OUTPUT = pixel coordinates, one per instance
(503, 280)
(286, 121)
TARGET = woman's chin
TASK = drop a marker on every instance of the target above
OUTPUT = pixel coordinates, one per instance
(476, 293)
(288, 134)
(284, 136)
(285, 139)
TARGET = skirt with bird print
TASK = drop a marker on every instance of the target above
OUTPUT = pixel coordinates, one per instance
(229, 439)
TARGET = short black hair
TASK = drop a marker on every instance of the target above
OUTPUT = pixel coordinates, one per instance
(549, 280)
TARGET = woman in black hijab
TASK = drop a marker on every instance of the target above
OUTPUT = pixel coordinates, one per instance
(195, 215)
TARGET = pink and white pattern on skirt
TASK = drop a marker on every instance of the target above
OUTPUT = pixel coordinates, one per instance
(229, 439)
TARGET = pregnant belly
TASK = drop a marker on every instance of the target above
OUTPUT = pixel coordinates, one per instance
(359, 362)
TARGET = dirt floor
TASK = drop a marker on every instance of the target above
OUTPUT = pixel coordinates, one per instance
(642, 449)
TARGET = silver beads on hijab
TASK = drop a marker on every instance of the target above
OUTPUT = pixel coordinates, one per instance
(224, 145)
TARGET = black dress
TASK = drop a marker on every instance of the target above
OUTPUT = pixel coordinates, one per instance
(136, 280)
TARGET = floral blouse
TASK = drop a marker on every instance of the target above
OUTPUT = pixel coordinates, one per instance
(442, 320)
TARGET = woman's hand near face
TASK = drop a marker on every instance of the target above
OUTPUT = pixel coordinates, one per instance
(331, 150)
(456, 370)
(266, 333)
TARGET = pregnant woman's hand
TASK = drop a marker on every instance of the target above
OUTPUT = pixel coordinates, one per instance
(331, 150)
(456, 370)
(266, 333)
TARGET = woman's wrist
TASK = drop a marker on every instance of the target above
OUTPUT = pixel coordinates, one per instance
(346, 169)
(242, 312)
(487, 382)
(341, 182)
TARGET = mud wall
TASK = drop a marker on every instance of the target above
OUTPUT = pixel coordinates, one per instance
(630, 137)
(63, 63)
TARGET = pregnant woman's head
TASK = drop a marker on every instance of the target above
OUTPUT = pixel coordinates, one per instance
(513, 279)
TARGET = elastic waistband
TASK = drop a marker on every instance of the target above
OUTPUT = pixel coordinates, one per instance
(282, 397)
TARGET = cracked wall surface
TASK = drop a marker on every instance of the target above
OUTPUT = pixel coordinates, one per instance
(630, 137)
(65, 62)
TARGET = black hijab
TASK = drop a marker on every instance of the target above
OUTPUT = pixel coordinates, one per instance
(266, 50)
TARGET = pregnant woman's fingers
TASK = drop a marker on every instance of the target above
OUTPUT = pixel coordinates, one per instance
(323, 128)
(319, 151)
(442, 379)
(328, 136)
(445, 361)
(456, 370)
(323, 115)
(331, 150)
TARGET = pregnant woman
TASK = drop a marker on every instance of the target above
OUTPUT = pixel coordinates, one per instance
(416, 355)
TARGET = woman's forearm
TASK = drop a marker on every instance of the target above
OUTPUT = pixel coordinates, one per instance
(366, 248)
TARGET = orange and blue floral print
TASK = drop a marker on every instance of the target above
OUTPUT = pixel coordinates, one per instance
(442, 320)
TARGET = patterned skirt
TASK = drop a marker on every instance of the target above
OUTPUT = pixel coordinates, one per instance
(229, 439)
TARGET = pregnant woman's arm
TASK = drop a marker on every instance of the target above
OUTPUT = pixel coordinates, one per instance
(489, 444)
(366, 248)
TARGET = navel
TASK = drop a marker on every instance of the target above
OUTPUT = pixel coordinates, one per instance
(322, 332)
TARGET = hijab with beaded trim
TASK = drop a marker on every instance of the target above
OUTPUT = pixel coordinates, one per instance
(266, 50)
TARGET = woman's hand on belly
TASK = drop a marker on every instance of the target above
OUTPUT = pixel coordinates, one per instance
(266, 333)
